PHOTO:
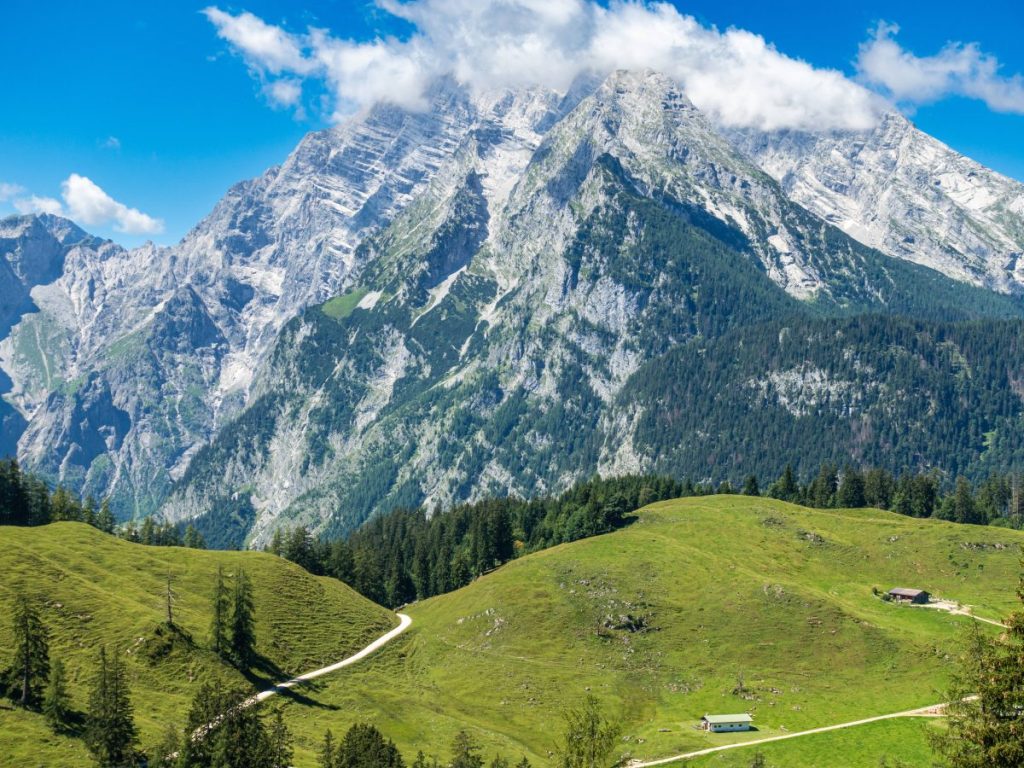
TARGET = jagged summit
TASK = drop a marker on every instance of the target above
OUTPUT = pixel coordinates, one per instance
(529, 208)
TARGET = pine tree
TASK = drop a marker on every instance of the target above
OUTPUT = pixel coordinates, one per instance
(221, 608)
(524, 763)
(851, 490)
(110, 725)
(56, 703)
(280, 743)
(589, 737)
(243, 630)
(750, 486)
(465, 752)
(985, 716)
(105, 518)
(328, 757)
(166, 753)
(31, 654)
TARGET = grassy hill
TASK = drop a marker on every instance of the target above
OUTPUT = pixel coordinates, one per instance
(100, 590)
(721, 590)
(715, 604)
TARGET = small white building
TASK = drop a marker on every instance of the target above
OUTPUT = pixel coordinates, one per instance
(726, 723)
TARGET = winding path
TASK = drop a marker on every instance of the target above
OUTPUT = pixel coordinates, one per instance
(404, 622)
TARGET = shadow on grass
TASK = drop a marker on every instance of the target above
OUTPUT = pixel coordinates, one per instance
(264, 675)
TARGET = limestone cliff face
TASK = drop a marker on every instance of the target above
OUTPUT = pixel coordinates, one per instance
(435, 305)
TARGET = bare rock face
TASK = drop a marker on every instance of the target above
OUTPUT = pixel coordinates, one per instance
(431, 306)
(487, 341)
(901, 191)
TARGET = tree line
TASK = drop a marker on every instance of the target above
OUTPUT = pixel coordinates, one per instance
(408, 554)
(411, 554)
(26, 500)
(997, 500)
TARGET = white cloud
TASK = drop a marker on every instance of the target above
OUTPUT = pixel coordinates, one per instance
(37, 204)
(9, 190)
(735, 76)
(959, 69)
(265, 46)
(88, 204)
(284, 94)
(111, 142)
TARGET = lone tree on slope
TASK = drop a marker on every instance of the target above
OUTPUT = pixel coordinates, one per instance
(31, 654)
(243, 628)
(589, 738)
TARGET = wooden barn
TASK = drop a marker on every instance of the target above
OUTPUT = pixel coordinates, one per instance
(916, 596)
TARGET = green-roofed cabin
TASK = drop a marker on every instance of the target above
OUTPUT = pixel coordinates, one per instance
(726, 723)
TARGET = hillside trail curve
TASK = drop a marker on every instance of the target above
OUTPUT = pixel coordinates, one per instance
(404, 622)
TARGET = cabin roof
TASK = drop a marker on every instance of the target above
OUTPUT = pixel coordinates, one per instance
(744, 718)
(902, 592)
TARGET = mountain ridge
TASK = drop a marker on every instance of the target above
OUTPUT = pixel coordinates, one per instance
(181, 340)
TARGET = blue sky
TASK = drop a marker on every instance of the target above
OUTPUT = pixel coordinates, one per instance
(139, 116)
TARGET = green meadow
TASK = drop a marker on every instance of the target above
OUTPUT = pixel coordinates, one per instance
(708, 605)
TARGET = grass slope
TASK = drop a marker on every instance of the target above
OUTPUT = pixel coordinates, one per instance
(730, 587)
(100, 590)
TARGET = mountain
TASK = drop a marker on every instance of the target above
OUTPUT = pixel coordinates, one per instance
(429, 306)
(487, 343)
(901, 191)
(148, 350)
(94, 590)
(33, 250)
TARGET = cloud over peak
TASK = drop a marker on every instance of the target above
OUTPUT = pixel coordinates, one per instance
(86, 203)
(735, 76)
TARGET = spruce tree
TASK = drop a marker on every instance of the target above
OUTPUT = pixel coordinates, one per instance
(365, 747)
(110, 726)
(589, 737)
(31, 654)
(243, 630)
(193, 539)
(280, 743)
(56, 703)
(219, 625)
(785, 488)
(166, 754)
(985, 716)
(105, 518)
(328, 757)
(851, 490)
(465, 752)
(750, 486)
